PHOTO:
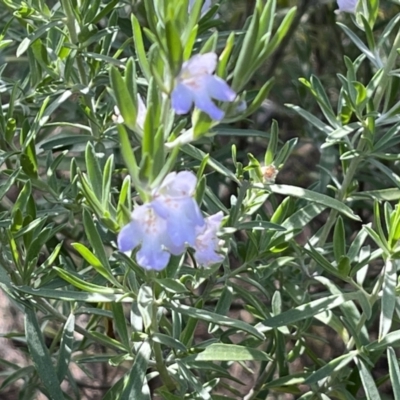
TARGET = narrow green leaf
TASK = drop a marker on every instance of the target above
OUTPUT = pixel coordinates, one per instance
(139, 46)
(175, 51)
(95, 240)
(126, 105)
(120, 323)
(82, 284)
(394, 372)
(370, 389)
(217, 166)
(319, 198)
(223, 130)
(292, 379)
(41, 356)
(330, 368)
(20, 373)
(323, 262)
(339, 240)
(145, 305)
(388, 297)
(137, 388)
(128, 155)
(70, 295)
(108, 341)
(94, 172)
(260, 226)
(208, 316)
(169, 341)
(172, 285)
(311, 118)
(24, 45)
(5, 187)
(391, 194)
(229, 352)
(193, 381)
(223, 305)
(304, 311)
(187, 335)
(246, 52)
(115, 391)
(67, 341)
(86, 254)
(361, 45)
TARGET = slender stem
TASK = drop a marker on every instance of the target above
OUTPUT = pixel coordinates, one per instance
(373, 298)
(351, 170)
(260, 382)
(160, 362)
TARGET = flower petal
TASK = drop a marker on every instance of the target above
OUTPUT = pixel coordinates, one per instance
(203, 101)
(183, 217)
(130, 236)
(347, 5)
(218, 89)
(178, 184)
(207, 242)
(182, 99)
(152, 257)
(193, 213)
(208, 257)
(200, 64)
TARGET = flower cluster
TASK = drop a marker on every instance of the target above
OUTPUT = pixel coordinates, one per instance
(169, 223)
(197, 84)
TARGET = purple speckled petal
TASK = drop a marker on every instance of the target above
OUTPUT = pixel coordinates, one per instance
(218, 89)
(182, 99)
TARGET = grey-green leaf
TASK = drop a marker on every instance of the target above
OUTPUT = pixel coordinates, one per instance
(41, 356)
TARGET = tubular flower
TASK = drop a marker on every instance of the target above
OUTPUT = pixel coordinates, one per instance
(207, 243)
(166, 225)
(348, 6)
(196, 84)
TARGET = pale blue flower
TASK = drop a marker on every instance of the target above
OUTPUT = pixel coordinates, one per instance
(166, 225)
(173, 200)
(348, 6)
(196, 84)
(207, 244)
(149, 231)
